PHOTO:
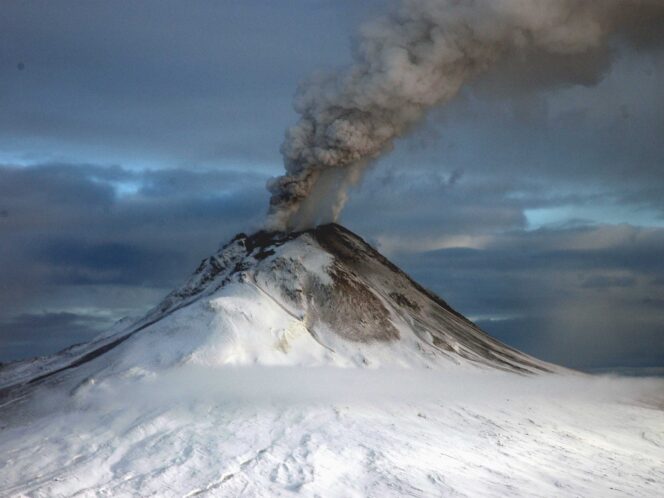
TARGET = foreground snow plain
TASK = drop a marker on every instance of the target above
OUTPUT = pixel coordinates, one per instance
(292, 431)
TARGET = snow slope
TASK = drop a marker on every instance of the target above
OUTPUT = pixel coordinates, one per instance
(309, 364)
(318, 297)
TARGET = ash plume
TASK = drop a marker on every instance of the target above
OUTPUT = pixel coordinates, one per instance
(414, 58)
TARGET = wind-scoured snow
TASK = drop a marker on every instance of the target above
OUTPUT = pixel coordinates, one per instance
(256, 431)
(307, 364)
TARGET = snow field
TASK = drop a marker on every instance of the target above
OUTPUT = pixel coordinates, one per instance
(255, 431)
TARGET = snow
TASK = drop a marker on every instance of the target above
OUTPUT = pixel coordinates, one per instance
(269, 431)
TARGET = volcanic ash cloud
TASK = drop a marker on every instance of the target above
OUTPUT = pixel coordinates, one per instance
(416, 57)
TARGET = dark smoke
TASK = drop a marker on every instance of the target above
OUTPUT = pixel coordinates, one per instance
(417, 57)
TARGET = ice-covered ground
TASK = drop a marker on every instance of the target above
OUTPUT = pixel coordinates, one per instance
(286, 431)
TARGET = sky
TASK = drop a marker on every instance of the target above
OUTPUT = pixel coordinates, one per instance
(136, 137)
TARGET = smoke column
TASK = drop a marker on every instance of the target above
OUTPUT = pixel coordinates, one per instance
(416, 57)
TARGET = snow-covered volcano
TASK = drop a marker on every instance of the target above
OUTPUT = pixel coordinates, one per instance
(318, 297)
(194, 400)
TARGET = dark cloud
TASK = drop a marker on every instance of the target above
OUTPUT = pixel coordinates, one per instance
(585, 342)
(602, 282)
(171, 83)
(28, 335)
(70, 262)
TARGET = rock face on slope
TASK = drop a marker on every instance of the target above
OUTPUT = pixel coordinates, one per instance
(318, 297)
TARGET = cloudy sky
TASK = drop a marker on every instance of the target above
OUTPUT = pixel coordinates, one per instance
(135, 137)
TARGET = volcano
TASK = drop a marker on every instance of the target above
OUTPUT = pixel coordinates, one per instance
(307, 364)
(317, 297)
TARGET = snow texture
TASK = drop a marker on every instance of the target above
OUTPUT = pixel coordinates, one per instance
(255, 431)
